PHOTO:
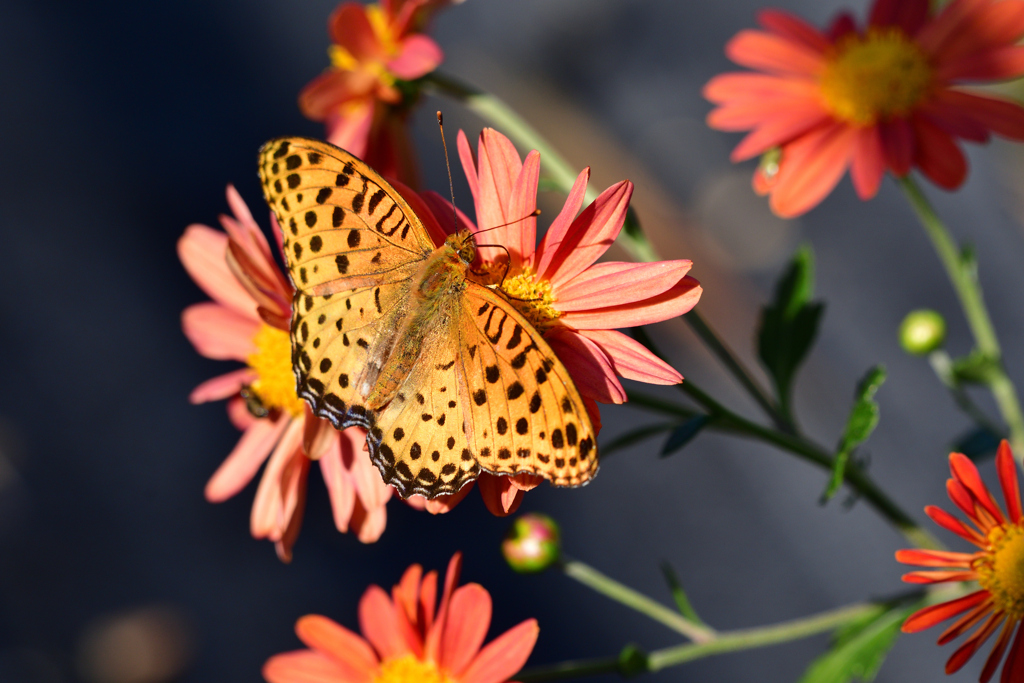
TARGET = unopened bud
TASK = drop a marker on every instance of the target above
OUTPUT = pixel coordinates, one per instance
(922, 331)
(532, 544)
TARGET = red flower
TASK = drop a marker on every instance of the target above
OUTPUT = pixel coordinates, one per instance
(248, 321)
(406, 641)
(998, 606)
(886, 97)
(361, 97)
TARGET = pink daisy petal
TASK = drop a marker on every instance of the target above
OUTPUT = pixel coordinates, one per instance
(500, 494)
(222, 386)
(555, 235)
(420, 55)
(774, 54)
(351, 29)
(805, 118)
(423, 211)
(954, 119)
(1003, 117)
(385, 626)
(469, 166)
(670, 304)
(351, 131)
(589, 235)
(451, 580)
(794, 28)
(468, 621)
(589, 365)
(631, 359)
(812, 166)
(938, 155)
(202, 251)
(994, 24)
(306, 666)
(239, 415)
(267, 519)
(522, 204)
(369, 525)
(744, 114)
(244, 461)
(898, 145)
(752, 87)
(868, 165)
(990, 65)
(339, 486)
(331, 90)
(346, 648)
(219, 332)
(619, 283)
(503, 656)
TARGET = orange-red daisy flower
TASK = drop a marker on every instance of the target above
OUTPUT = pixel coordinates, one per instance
(364, 97)
(886, 97)
(404, 640)
(576, 304)
(998, 606)
(248, 321)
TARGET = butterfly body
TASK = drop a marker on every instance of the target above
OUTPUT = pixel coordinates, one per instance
(396, 334)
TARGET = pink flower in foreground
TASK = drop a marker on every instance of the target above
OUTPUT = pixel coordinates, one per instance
(365, 97)
(576, 304)
(886, 97)
(405, 640)
(998, 567)
(248, 321)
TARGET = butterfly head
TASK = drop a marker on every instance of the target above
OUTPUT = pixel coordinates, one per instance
(464, 245)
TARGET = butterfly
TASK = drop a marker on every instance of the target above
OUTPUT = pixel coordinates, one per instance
(400, 336)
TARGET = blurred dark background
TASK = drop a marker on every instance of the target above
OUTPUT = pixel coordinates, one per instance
(123, 122)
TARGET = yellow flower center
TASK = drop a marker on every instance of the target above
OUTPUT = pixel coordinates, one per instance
(408, 669)
(533, 298)
(1001, 570)
(343, 60)
(272, 361)
(874, 77)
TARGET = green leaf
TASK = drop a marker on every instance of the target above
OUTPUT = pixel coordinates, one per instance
(684, 434)
(862, 421)
(678, 594)
(860, 647)
(789, 324)
(635, 436)
(976, 368)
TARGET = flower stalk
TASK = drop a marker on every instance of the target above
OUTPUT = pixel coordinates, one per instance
(963, 276)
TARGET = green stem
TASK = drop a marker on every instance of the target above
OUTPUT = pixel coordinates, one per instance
(571, 669)
(964, 277)
(733, 364)
(611, 588)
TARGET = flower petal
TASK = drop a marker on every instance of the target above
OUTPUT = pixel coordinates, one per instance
(219, 332)
(339, 486)
(589, 235)
(500, 494)
(332, 91)
(811, 168)
(967, 474)
(522, 205)
(451, 579)
(933, 614)
(971, 645)
(349, 127)
(898, 145)
(202, 251)
(589, 365)
(794, 28)
(939, 576)
(1001, 116)
(351, 29)
(346, 648)
(242, 463)
(273, 506)
(991, 65)
(222, 386)
(908, 15)
(541, 259)
(774, 54)
(803, 118)
(1013, 668)
(670, 304)
(420, 55)
(468, 621)
(503, 656)
(387, 629)
(305, 666)
(951, 523)
(450, 220)
(1008, 482)
(991, 25)
(992, 661)
(938, 156)
(934, 558)
(966, 622)
(868, 164)
(613, 284)
(369, 525)
(743, 86)
(631, 359)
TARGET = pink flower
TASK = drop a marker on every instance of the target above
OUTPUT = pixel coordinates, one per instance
(575, 303)
(887, 97)
(364, 97)
(248, 321)
(405, 639)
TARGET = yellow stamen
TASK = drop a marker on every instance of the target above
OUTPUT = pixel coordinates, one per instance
(533, 298)
(272, 361)
(1001, 570)
(379, 22)
(408, 669)
(877, 76)
(342, 59)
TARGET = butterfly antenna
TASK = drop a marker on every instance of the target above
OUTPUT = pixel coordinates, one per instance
(451, 187)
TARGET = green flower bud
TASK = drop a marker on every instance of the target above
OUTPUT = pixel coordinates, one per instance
(532, 544)
(922, 331)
